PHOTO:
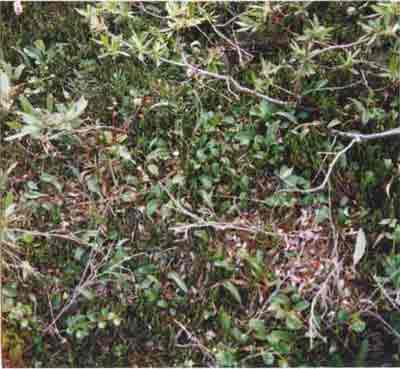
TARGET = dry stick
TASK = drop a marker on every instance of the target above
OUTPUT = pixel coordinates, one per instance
(334, 47)
(230, 42)
(222, 226)
(388, 297)
(55, 235)
(181, 208)
(227, 79)
(196, 342)
(83, 280)
(331, 166)
(385, 323)
(361, 137)
(230, 20)
(57, 332)
(356, 138)
(201, 223)
(313, 323)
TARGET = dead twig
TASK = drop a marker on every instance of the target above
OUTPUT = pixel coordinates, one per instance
(196, 343)
(227, 79)
(330, 169)
(222, 226)
(361, 137)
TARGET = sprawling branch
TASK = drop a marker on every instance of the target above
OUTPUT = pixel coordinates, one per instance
(227, 79)
(330, 169)
(360, 137)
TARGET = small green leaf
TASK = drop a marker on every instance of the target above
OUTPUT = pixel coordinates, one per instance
(244, 138)
(152, 207)
(87, 293)
(342, 316)
(225, 320)
(8, 200)
(48, 178)
(362, 354)
(77, 109)
(93, 184)
(79, 252)
(50, 102)
(124, 153)
(27, 130)
(206, 181)
(31, 119)
(178, 280)
(233, 290)
(293, 322)
(239, 335)
(280, 299)
(258, 326)
(225, 359)
(26, 105)
(27, 238)
(301, 306)
(288, 116)
(18, 71)
(358, 325)
(268, 358)
(153, 169)
(277, 336)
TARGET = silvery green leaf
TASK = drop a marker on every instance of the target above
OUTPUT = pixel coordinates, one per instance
(233, 290)
(177, 279)
(27, 130)
(18, 71)
(77, 109)
(361, 244)
(4, 85)
(31, 120)
(288, 116)
(26, 105)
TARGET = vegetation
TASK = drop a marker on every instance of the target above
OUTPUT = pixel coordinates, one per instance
(200, 184)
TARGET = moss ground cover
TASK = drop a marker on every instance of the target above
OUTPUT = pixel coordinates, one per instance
(200, 184)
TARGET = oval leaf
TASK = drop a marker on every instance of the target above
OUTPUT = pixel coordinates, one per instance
(361, 244)
(233, 290)
(181, 284)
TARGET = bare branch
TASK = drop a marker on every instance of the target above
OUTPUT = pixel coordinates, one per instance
(360, 137)
(228, 80)
(196, 342)
(222, 226)
(335, 47)
(330, 169)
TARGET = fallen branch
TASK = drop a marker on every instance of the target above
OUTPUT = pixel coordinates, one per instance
(221, 226)
(330, 169)
(360, 137)
(335, 47)
(228, 80)
(196, 342)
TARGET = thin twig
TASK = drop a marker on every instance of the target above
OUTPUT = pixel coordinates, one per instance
(71, 238)
(335, 47)
(385, 323)
(360, 137)
(330, 169)
(196, 342)
(85, 278)
(180, 207)
(222, 226)
(227, 79)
